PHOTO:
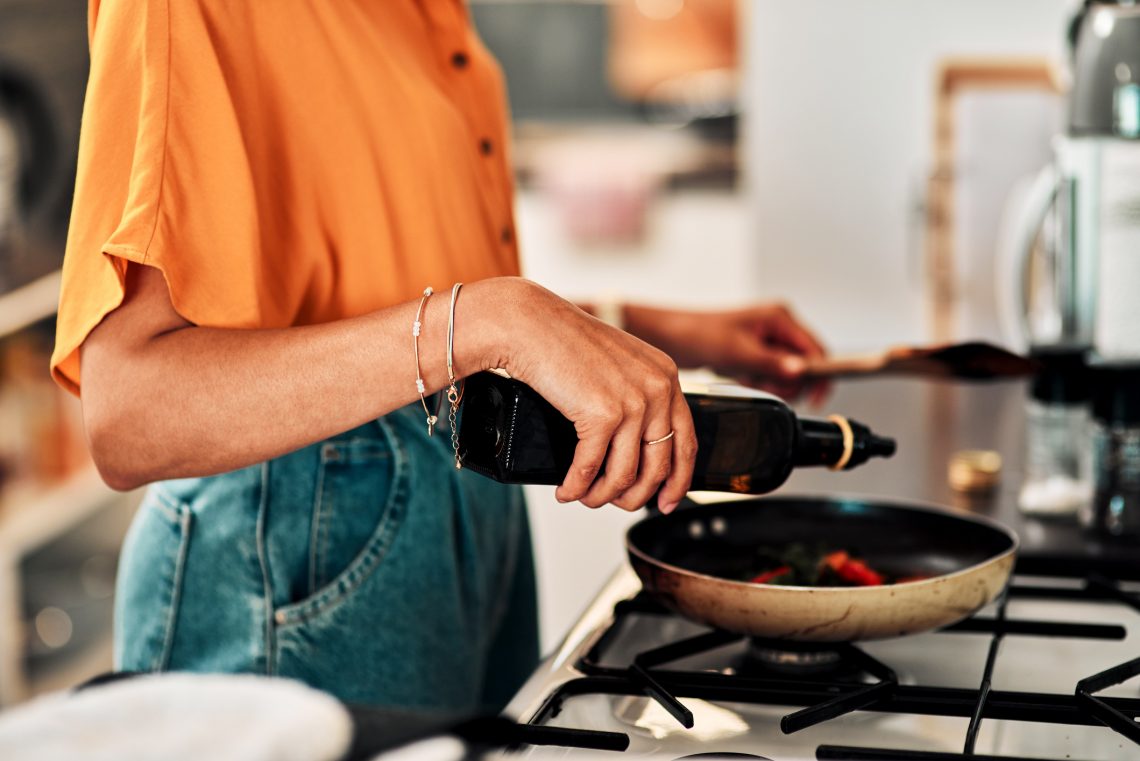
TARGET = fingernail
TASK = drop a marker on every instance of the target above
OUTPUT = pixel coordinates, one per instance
(667, 507)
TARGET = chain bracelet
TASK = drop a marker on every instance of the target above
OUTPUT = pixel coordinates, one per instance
(454, 408)
(453, 394)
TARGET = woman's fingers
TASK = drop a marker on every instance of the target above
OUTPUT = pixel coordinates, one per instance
(654, 467)
(633, 469)
(659, 385)
(589, 455)
(621, 465)
(684, 455)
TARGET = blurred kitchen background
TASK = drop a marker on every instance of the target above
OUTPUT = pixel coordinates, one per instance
(862, 160)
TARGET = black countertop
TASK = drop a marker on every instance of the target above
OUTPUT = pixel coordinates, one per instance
(932, 421)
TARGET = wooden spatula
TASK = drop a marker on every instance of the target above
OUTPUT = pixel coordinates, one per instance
(975, 360)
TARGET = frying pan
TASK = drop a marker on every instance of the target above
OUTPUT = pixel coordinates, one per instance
(691, 560)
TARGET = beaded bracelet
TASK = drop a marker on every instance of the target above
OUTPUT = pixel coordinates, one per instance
(417, 326)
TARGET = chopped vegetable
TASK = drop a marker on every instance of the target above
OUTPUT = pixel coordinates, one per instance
(857, 572)
(772, 575)
(835, 560)
(796, 565)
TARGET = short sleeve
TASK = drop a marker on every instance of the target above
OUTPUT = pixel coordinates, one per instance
(162, 178)
(283, 168)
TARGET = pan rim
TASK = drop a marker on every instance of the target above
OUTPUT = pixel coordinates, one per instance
(917, 505)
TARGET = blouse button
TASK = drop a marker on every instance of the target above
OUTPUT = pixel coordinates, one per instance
(459, 59)
(486, 146)
(506, 236)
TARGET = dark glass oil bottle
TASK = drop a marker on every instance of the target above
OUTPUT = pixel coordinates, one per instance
(747, 443)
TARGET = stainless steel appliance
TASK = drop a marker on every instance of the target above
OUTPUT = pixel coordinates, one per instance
(1090, 198)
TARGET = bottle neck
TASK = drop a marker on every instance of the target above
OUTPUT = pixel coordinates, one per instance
(826, 443)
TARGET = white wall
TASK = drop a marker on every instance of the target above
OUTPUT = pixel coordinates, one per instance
(695, 252)
(839, 98)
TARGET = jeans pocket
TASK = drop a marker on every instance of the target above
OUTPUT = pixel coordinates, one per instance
(358, 506)
(149, 584)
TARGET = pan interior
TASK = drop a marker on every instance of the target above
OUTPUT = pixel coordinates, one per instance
(721, 540)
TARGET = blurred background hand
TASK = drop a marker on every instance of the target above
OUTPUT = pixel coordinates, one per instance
(764, 346)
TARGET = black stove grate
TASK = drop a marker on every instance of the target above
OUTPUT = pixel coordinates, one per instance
(852, 753)
(1102, 710)
(824, 698)
(1000, 628)
(640, 674)
(852, 700)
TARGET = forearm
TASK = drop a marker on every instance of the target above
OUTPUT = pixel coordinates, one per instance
(198, 401)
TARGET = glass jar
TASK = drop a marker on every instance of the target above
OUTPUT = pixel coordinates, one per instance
(1057, 430)
(1114, 511)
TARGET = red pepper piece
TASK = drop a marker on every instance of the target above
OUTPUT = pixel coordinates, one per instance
(857, 572)
(768, 576)
(835, 560)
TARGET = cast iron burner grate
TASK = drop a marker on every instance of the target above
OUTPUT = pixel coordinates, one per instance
(874, 686)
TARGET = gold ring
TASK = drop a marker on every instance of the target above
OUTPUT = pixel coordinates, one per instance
(666, 437)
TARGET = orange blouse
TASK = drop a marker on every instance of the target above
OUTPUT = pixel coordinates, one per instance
(284, 163)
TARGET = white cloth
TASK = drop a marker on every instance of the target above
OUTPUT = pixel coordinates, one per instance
(180, 716)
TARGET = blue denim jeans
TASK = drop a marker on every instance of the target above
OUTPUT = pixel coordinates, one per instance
(364, 565)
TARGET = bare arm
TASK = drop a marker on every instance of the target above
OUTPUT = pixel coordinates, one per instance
(163, 398)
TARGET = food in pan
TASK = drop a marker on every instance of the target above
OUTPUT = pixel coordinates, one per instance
(797, 565)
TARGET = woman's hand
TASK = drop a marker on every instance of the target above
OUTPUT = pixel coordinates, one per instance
(617, 390)
(763, 346)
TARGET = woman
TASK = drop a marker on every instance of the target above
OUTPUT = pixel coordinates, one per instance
(263, 195)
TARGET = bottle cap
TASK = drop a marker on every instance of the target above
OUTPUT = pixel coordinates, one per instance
(1064, 374)
(1116, 391)
(974, 470)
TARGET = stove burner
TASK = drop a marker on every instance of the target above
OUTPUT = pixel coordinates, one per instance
(721, 756)
(793, 658)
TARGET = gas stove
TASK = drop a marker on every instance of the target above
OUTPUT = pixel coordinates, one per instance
(1049, 671)
(1042, 673)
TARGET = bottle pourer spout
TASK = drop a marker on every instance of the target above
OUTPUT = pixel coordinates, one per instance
(880, 446)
